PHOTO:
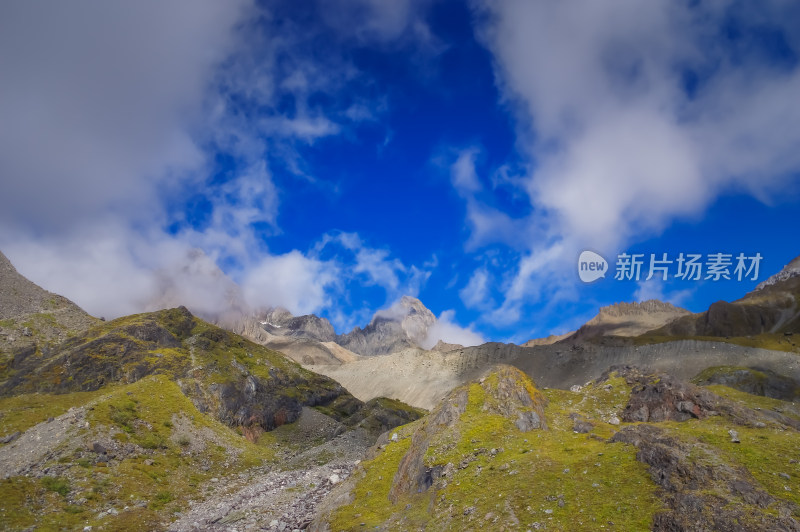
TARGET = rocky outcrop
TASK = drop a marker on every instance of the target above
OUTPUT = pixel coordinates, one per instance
(701, 492)
(755, 381)
(659, 397)
(505, 391)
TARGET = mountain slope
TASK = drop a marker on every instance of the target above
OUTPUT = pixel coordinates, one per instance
(124, 425)
(770, 312)
(595, 461)
(422, 378)
(241, 383)
(31, 316)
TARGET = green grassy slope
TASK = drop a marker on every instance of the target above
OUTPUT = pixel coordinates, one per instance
(577, 475)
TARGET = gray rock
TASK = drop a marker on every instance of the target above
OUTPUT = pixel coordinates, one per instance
(11, 437)
(99, 448)
(527, 421)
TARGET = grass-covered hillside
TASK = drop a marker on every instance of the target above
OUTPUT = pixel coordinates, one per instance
(129, 424)
(630, 451)
(241, 383)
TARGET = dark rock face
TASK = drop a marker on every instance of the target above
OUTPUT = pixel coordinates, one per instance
(253, 401)
(700, 496)
(756, 381)
(729, 319)
(313, 327)
(770, 308)
(281, 322)
(657, 397)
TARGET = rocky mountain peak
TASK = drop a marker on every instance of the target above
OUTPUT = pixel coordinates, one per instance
(280, 322)
(415, 319)
(405, 324)
(790, 270)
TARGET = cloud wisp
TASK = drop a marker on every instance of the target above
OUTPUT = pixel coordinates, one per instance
(634, 115)
(114, 117)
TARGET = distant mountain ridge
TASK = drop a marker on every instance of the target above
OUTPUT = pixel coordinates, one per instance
(310, 339)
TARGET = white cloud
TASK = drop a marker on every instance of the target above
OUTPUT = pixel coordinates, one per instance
(113, 271)
(382, 22)
(655, 289)
(447, 330)
(112, 115)
(292, 281)
(375, 267)
(487, 224)
(475, 294)
(94, 99)
(462, 172)
(619, 145)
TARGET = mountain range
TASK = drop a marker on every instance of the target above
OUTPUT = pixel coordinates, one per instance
(646, 417)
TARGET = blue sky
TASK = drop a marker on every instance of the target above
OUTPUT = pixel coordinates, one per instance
(330, 157)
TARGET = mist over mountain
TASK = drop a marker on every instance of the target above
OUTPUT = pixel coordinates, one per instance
(405, 324)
